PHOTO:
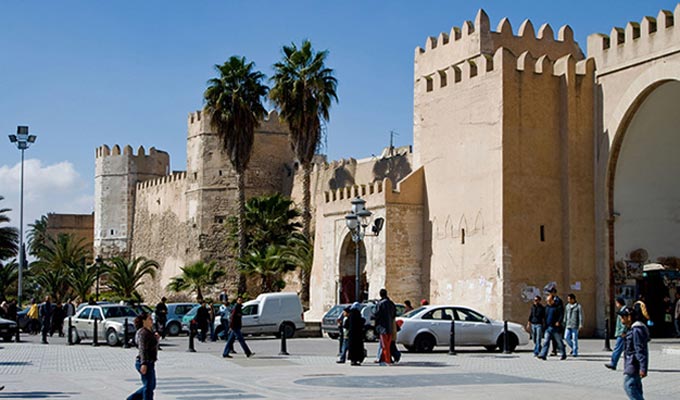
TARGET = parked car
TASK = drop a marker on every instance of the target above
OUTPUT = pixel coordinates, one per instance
(85, 303)
(426, 327)
(173, 325)
(110, 323)
(23, 320)
(271, 313)
(8, 329)
(139, 308)
(186, 319)
(329, 323)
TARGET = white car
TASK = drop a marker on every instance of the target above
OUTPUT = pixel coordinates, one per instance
(426, 327)
(110, 321)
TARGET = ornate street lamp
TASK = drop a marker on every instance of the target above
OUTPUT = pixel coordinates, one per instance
(357, 221)
(23, 141)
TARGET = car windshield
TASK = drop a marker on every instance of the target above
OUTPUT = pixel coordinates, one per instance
(413, 312)
(193, 311)
(335, 311)
(117, 312)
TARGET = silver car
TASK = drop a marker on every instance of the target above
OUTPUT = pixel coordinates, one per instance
(426, 327)
(110, 323)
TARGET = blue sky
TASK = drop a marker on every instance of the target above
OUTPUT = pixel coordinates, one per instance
(86, 73)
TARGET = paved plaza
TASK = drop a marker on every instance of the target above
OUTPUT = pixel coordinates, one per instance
(30, 370)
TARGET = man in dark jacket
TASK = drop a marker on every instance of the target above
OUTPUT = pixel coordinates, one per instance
(45, 315)
(553, 321)
(536, 323)
(385, 313)
(636, 356)
(235, 324)
(161, 317)
(202, 320)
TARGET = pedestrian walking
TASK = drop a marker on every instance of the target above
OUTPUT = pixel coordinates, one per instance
(45, 313)
(235, 324)
(636, 356)
(620, 334)
(161, 317)
(553, 321)
(57, 324)
(536, 324)
(344, 334)
(573, 322)
(202, 318)
(145, 363)
(356, 352)
(385, 313)
(211, 320)
(33, 318)
(560, 304)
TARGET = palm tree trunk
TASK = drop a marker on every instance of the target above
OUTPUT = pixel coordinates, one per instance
(199, 295)
(241, 193)
(306, 226)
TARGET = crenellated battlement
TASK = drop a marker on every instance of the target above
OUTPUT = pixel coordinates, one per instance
(199, 122)
(647, 39)
(175, 177)
(363, 190)
(503, 58)
(473, 43)
(106, 151)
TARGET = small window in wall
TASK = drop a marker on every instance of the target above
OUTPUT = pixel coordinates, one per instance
(442, 78)
(219, 172)
(111, 231)
(462, 236)
(219, 219)
(195, 175)
(429, 84)
(542, 233)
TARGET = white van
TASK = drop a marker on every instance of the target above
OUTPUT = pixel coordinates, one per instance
(271, 312)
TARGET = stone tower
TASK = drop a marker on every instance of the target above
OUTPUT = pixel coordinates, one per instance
(503, 127)
(116, 176)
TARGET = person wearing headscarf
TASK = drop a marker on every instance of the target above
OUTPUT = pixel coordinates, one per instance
(355, 324)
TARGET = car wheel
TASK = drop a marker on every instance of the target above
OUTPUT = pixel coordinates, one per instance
(369, 335)
(512, 342)
(424, 343)
(174, 329)
(112, 337)
(410, 349)
(490, 348)
(74, 336)
(288, 330)
(333, 336)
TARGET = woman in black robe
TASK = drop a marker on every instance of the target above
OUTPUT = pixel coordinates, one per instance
(356, 335)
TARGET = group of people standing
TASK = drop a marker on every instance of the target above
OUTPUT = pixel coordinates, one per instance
(48, 318)
(352, 326)
(554, 324)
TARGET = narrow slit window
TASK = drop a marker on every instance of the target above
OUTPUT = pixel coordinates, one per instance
(429, 82)
(542, 233)
(442, 78)
(462, 236)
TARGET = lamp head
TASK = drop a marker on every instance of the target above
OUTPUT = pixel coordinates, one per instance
(378, 224)
(352, 221)
(31, 138)
(358, 205)
(13, 138)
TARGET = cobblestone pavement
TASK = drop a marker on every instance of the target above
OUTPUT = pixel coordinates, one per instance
(56, 371)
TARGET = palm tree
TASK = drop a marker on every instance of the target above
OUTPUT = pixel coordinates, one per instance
(9, 236)
(81, 276)
(9, 274)
(57, 252)
(303, 90)
(196, 276)
(126, 275)
(234, 99)
(37, 235)
(268, 265)
(299, 252)
(53, 282)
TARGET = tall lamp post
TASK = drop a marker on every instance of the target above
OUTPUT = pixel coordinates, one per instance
(23, 141)
(98, 266)
(357, 221)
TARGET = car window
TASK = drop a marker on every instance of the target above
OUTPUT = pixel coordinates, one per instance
(96, 314)
(335, 311)
(183, 309)
(85, 313)
(413, 312)
(442, 314)
(469, 315)
(400, 309)
(119, 312)
(193, 311)
(250, 309)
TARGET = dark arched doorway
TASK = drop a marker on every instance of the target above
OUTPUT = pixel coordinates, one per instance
(644, 198)
(348, 270)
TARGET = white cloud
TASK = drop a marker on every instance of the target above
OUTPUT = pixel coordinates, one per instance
(55, 188)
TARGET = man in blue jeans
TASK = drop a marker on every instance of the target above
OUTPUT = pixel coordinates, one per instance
(535, 324)
(620, 335)
(235, 323)
(636, 356)
(553, 320)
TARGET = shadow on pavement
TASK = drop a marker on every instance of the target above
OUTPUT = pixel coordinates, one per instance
(37, 395)
(14, 363)
(675, 371)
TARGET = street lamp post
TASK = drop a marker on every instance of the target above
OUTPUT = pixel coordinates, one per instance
(23, 141)
(98, 266)
(357, 221)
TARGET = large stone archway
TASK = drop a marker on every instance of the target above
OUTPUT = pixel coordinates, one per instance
(347, 270)
(643, 197)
